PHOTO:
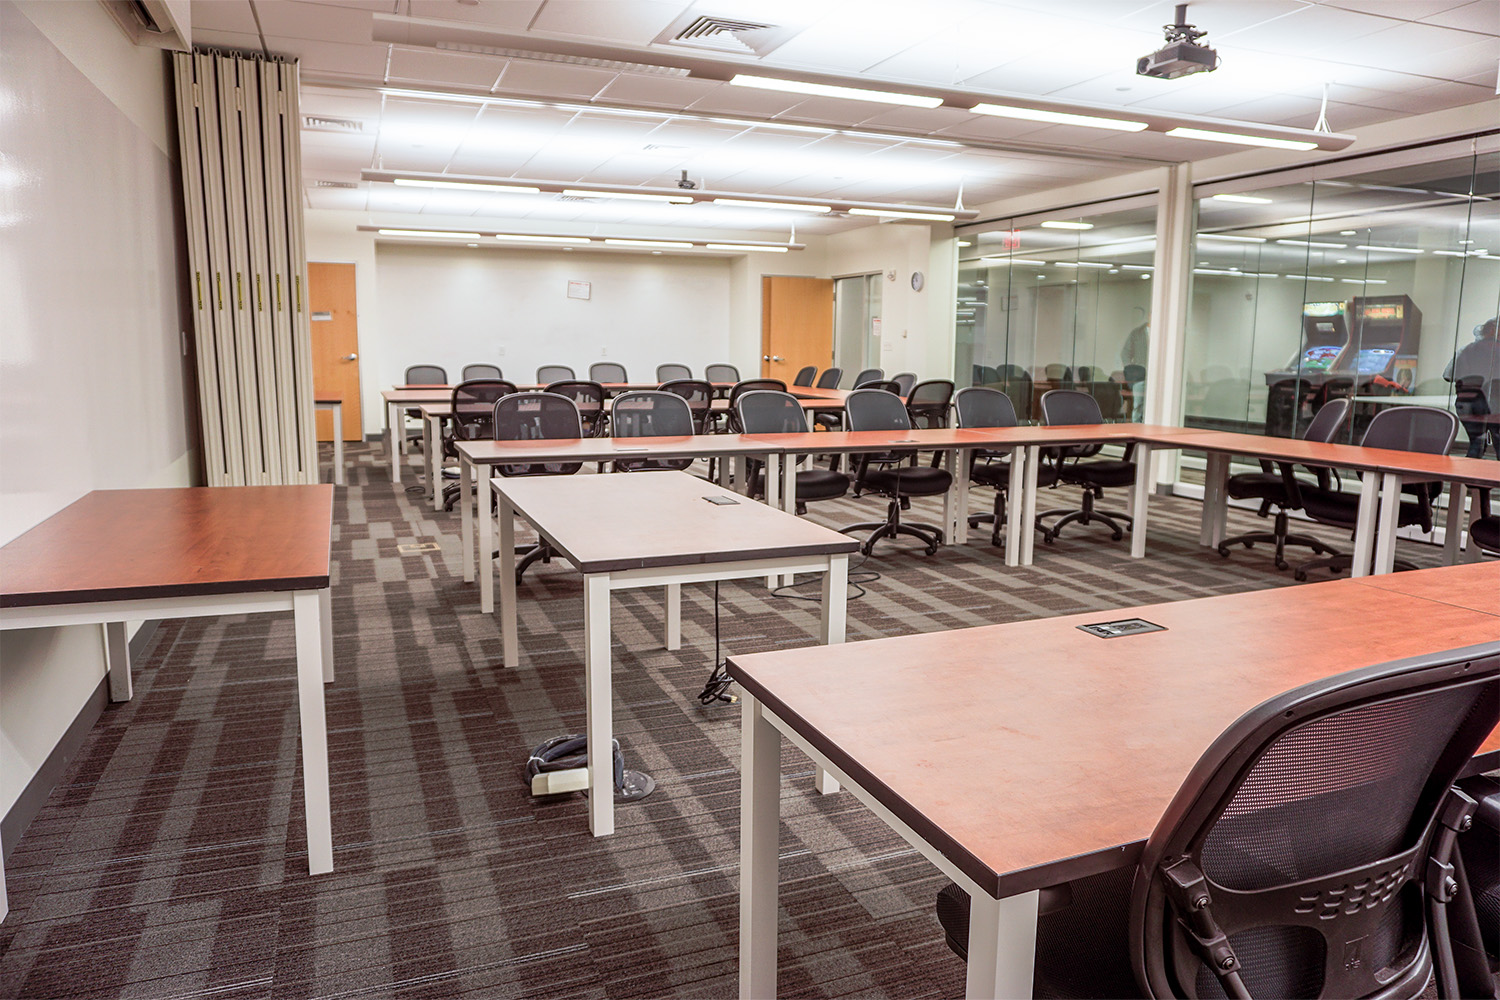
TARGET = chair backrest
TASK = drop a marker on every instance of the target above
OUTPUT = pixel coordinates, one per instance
(1424, 429)
(978, 406)
(699, 395)
(554, 373)
(766, 411)
(650, 413)
(721, 373)
(1057, 373)
(830, 378)
(537, 416)
(868, 375)
(928, 402)
(426, 375)
(474, 407)
(875, 410)
(884, 385)
(1085, 373)
(749, 385)
(589, 397)
(806, 375)
(671, 373)
(1303, 834)
(608, 371)
(905, 380)
(482, 371)
(1325, 424)
(1062, 407)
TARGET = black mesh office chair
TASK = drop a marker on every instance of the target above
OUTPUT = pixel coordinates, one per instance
(650, 413)
(1298, 856)
(830, 378)
(1062, 407)
(721, 373)
(473, 420)
(1269, 487)
(905, 380)
(548, 374)
(806, 375)
(426, 375)
(749, 385)
(763, 411)
(889, 385)
(927, 403)
(536, 416)
(700, 399)
(1474, 913)
(590, 398)
(672, 373)
(608, 371)
(1484, 532)
(834, 420)
(1423, 429)
(978, 406)
(482, 371)
(884, 473)
(1016, 383)
(1058, 373)
(868, 375)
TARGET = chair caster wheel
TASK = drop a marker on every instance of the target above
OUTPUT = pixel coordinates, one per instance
(1224, 551)
(1116, 537)
(1283, 566)
(1249, 545)
(1299, 576)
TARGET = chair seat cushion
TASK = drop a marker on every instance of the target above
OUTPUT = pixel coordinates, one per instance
(910, 481)
(821, 484)
(1342, 509)
(1486, 532)
(1101, 473)
(1257, 486)
(997, 474)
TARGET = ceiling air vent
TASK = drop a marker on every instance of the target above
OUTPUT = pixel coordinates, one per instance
(334, 184)
(726, 34)
(316, 123)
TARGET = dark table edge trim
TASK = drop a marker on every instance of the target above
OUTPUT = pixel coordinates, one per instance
(54, 598)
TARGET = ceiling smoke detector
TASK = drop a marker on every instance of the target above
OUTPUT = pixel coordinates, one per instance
(1182, 54)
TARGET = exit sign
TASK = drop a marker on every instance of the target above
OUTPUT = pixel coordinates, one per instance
(1010, 240)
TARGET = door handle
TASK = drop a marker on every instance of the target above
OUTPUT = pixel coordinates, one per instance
(777, 357)
(351, 357)
(765, 357)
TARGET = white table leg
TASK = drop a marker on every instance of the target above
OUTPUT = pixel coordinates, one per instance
(1364, 523)
(338, 444)
(390, 446)
(956, 500)
(1471, 547)
(395, 438)
(1002, 945)
(117, 658)
(307, 611)
(788, 495)
(771, 483)
(466, 515)
(673, 638)
(598, 710)
(834, 626)
(432, 441)
(1215, 499)
(1015, 505)
(4, 899)
(1458, 498)
(510, 639)
(325, 621)
(1140, 496)
(1028, 512)
(1385, 530)
(760, 827)
(486, 546)
(741, 480)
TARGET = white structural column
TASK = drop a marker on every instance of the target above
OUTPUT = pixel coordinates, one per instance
(1171, 283)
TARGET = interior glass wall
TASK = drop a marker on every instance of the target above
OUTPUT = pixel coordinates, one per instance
(856, 321)
(1366, 286)
(1058, 301)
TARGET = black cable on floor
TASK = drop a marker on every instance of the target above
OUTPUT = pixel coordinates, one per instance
(855, 579)
(718, 680)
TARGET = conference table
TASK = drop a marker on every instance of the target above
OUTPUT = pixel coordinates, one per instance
(116, 556)
(660, 529)
(1061, 755)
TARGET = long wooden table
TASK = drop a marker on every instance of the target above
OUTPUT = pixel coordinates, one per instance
(652, 529)
(1069, 751)
(123, 555)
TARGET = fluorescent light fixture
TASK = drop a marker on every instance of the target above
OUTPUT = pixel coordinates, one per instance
(1136, 267)
(1364, 246)
(965, 243)
(1346, 232)
(828, 90)
(1213, 270)
(1313, 243)
(467, 186)
(1145, 277)
(1230, 237)
(1090, 263)
(1005, 261)
(884, 213)
(525, 238)
(650, 243)
(1243, 199)
(1064, 263)
(780, 206)
(1307, 277)
(1057, 117)
(1364, 281)
(1240, 140)
(1060, 224)
(1451, 253)
(429, 232)
(736, 246)
(674, 199)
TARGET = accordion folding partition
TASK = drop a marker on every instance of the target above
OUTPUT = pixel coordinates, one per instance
(241, 154)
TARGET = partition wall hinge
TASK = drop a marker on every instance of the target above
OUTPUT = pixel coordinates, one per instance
(219, 284)
(299, 293)
(239, 287)
(278, 292)
(260, 302)
(198, 275)
(197, 95)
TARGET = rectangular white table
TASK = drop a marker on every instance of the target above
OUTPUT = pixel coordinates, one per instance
(648, 529)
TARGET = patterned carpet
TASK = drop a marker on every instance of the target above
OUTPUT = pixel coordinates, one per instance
(170, 862)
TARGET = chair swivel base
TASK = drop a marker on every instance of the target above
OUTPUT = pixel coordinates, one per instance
(893, 526)
(1084, 515)
(1279, 538)
(1338, 563)
(530, 554)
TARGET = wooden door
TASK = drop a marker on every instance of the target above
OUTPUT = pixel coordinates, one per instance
(796, 325)
(335, 344)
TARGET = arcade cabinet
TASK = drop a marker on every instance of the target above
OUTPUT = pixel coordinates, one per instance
(1294, 393)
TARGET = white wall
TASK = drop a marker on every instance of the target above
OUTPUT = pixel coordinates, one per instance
(93, 382)
(916, 333)
(334, 238)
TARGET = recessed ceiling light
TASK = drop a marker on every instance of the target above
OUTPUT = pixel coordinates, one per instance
(1465, 242)
(885, 213)
(1243, 199)
(1145, 276)
(780, 206)
(1342, 260)
(1240, 140)
(473, 244)
(1313, 243)
(1060, 224)
(673, 199)
(1057, 117)
(751, 249)
(656, 251)
(1346, 232)
(466, 186)
(965, 243)
(1365, 246)
(649, 243)
(1230, 237)
(828, 90)
(526, 238)
(429, 232)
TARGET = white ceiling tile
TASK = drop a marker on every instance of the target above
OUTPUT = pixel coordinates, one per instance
(916, 119)
(443, 69)
(332, 57)
(1405, 10)
(882, 29)
(1304, 32)
(1478, 16)
(834, 109)
(226, 15)
(636, 22)
(730, 100)
(315, 21)
(525, 76)
(656, 91)
(505, 15)
(340, 102)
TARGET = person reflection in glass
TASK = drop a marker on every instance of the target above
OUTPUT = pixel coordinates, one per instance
(1475, 374)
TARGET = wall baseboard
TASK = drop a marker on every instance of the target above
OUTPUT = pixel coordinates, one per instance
(14, 823)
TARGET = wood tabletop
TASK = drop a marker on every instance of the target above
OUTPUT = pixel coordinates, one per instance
(604, 449)
(1032, 752)
(1478, 471)
(1475, 586)
(635, 520)
(135, 544)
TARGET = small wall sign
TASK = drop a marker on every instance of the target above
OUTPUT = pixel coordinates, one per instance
(579, 289)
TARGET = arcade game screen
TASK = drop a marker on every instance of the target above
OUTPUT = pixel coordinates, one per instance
(1373, 360)
(1321, 358)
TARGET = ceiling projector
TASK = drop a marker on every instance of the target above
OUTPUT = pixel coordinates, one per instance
(1182, 54)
